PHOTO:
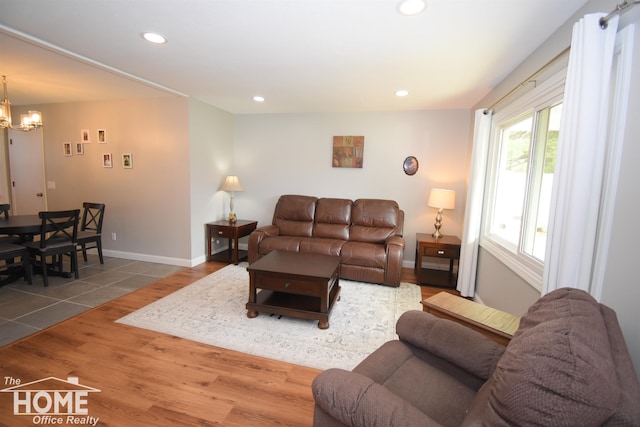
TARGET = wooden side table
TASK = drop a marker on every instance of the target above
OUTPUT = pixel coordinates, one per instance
(442, 247)
(494, 324)
(233, 232)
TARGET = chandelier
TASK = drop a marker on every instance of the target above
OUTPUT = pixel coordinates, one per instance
(31, 120)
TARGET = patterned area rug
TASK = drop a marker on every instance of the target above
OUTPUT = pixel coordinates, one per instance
(212, 311)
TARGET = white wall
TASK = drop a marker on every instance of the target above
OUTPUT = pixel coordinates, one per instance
(292, 153)
(211, 160)
(148, 207)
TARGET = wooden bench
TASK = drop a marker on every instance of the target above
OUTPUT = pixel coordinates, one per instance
(494, 324)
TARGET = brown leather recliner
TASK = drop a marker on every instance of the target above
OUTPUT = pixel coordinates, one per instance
(366, 234)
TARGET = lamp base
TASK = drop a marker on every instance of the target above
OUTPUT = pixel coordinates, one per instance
(436, 234)
(232, 217)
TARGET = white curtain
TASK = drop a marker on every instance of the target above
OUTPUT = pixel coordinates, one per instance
(581, 156)
(473, 214)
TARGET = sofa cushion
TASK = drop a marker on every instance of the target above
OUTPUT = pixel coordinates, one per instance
(318, 245)
(333, 218)
(420, 379)
(363, 254)
(373, 221)
(294, 215)
(557, 370)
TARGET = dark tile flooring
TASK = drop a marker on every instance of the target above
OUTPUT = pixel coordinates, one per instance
(25, 309)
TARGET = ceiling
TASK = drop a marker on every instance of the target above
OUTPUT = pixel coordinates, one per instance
(300, 55)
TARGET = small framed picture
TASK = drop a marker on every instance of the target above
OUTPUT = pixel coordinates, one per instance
(102, 136)
(84, 136)
(79, 148)
(107, 160)
(66, 148)
(127, 160)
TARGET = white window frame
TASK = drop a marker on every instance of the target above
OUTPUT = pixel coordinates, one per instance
(546, 94)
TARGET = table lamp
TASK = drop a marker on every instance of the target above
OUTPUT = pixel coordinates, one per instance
(231, 185)
(441, 199)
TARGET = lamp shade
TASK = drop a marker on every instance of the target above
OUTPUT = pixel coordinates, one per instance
(442, 199)
(232, 184)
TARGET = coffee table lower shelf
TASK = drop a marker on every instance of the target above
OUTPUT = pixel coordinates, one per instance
(292, 305)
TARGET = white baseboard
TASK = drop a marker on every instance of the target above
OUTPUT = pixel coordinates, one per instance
(154, 258)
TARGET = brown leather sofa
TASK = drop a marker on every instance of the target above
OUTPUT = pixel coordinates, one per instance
(567, 365)
(366, 234)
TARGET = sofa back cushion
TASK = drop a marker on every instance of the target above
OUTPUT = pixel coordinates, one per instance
(333, 218)
(373, 220)
(294, 215)
(558, 369)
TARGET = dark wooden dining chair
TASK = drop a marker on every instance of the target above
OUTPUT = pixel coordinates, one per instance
(58, 236)
(13, 258)
(4, 213)
(90, 232)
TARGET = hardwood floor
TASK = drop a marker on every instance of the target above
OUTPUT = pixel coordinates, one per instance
(150, 379)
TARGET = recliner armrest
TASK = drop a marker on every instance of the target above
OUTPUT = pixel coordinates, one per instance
(355, 400)
(451, 341)
(256, 237)
(268, 230)
(395, 240)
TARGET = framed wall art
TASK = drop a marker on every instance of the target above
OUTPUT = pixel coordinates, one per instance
(79, 148)
(66, 149)
(84, 136)
(348, 151)
(102, 136)
(107, 160)
(127, 160)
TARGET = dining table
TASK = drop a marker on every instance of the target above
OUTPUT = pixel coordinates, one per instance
(25, 226)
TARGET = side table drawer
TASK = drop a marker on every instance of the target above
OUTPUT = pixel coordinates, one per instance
(441, 252)
(222, 232)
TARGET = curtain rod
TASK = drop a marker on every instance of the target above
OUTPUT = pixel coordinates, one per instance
(620, 8)
(528, 79)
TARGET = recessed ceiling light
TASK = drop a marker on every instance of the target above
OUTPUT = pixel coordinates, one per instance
(402, 92)
(154, 38)
(411, 7)
(258, 98)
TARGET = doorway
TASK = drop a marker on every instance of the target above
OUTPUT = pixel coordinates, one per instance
(27, 175)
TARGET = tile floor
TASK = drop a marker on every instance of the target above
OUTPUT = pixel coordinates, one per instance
(25, 309)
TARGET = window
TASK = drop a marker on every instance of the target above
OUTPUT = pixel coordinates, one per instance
(520, 178)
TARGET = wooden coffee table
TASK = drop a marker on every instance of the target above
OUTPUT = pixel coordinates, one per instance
(294, 284)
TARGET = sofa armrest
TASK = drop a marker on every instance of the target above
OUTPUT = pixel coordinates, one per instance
(256, 237)
(451, 341)
(394, 248)
(355, 400)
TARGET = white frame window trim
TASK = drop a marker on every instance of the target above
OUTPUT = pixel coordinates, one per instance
(546, 94)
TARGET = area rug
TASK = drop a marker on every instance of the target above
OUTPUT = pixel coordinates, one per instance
(212, 311)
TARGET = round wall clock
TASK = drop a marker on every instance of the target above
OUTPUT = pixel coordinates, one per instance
(410, 165)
